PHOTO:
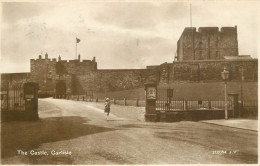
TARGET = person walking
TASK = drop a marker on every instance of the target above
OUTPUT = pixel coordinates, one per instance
(107, 107)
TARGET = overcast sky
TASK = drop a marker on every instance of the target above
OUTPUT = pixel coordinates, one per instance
(121, 35)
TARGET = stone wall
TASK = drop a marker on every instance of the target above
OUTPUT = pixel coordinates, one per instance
(13, 79)
(206, 71)
(81, 76)
(113, 80)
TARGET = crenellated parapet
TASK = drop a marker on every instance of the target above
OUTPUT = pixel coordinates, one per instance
(46, 71)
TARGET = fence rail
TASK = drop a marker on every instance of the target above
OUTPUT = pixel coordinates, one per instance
(166, 101)
(126, 102)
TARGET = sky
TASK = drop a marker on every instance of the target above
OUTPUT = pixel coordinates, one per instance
(120, 34)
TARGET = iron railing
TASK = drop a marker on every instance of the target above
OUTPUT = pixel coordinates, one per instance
(12, 98)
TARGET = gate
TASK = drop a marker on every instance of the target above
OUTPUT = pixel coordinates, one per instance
(19, 102)
(12, 98)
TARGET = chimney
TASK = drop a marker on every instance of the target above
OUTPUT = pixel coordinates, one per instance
(79, 57)
(40, 56)
(59, 58)
(94, 59)
(46, 56)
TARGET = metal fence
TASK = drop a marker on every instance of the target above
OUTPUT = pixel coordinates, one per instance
(165, 101)
(250, 108)
(12, 98)
(126, 102)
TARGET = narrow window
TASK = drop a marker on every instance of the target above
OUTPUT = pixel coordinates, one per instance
(200, 55)
(217, 54)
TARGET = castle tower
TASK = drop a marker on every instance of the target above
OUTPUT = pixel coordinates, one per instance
(208, 43)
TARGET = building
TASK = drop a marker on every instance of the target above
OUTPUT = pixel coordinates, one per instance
(208, 43)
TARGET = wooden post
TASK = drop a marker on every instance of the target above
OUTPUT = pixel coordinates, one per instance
(78, 98)
(137, 102)
(97, 99)
(124, 101)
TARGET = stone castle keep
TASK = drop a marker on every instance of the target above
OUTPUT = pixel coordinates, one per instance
(208, 43)
(201, 57)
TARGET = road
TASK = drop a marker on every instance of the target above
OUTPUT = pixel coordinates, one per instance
(81, 129)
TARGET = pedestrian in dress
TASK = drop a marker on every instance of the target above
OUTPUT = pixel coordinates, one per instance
(107, 107)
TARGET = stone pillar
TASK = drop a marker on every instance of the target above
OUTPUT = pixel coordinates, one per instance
(235, 106)
(150, 107)
(31, 100)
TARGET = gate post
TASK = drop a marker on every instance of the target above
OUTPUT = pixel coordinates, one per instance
(150, 107)
(31, 100)
(235, 106)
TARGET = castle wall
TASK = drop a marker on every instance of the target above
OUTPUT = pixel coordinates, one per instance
(112, 80)
(208, 71)
(43, 72)
(13, 79)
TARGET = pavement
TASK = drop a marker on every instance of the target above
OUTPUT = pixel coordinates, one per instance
(247, 124)
(81, 128)
(131, 112)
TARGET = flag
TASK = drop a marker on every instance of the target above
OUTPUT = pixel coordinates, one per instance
(77, 40)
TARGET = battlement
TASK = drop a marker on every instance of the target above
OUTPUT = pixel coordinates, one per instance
(49, 68)
(188, 30)
(208, 30)
(229, 29)
(84, 62)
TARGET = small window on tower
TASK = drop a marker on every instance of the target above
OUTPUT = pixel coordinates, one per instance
(217, 54)
(216, 43)
(200, 55)
(200, 44)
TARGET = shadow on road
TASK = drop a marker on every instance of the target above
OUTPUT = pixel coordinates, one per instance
(30, 135)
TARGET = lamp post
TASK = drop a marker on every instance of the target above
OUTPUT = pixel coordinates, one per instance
(225, 76)
(242, 80)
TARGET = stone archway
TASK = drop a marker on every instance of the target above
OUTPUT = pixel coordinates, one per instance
(60, 89)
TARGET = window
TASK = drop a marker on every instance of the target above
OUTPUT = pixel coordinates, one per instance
(200, 45)
(200, 55)
(217, 54)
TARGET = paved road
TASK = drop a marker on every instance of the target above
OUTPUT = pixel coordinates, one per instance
(81, 128)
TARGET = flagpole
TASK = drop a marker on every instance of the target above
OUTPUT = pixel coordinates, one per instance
(192, 32)
(76, 49)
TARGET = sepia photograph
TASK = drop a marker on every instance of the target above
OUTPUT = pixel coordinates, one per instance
(125, 82)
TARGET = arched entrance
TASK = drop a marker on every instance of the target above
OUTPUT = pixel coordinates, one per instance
(60, 89)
